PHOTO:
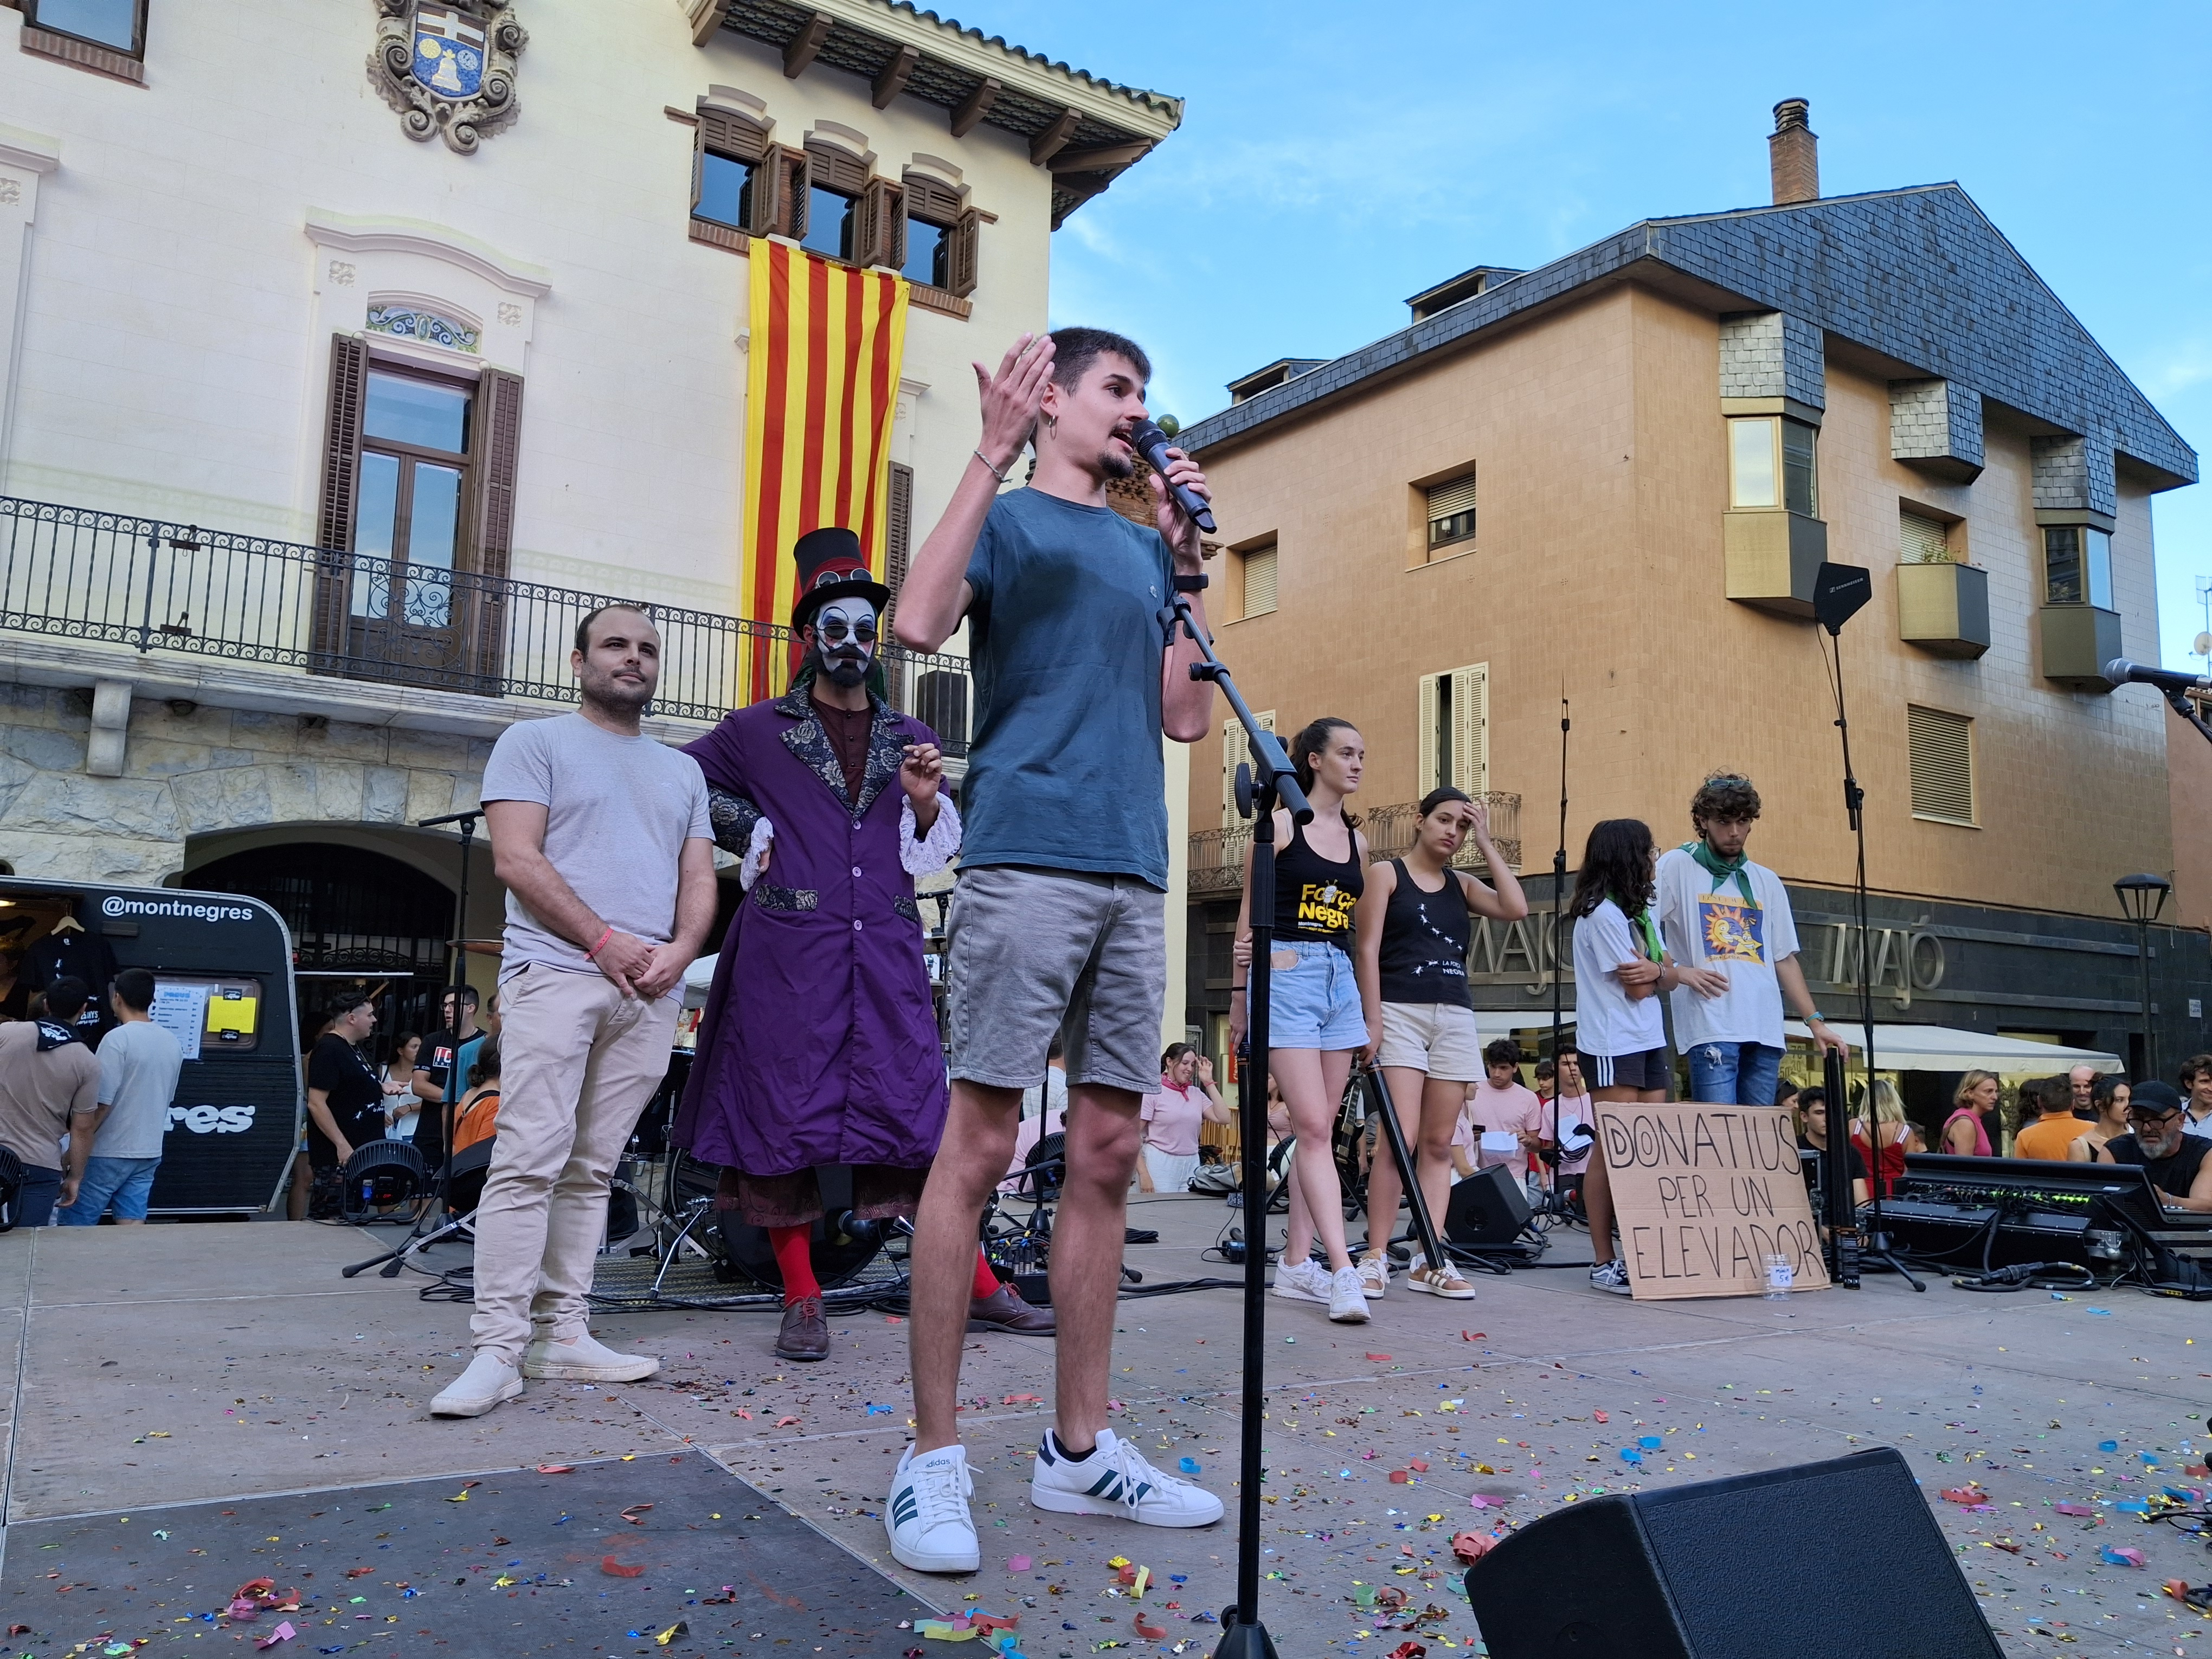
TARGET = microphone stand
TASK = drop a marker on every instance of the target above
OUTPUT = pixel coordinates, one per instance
(1841, 1214)
(417, 1240)
(1876, 1246)
(1268, 779)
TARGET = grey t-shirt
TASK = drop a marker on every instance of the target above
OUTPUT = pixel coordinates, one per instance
(618, 812)
(138, 1065)
(1065, 771)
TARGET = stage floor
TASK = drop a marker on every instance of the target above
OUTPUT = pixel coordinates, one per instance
(223, 1385)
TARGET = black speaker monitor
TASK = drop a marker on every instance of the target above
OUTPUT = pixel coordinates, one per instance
(1488, 1207)
(1833, 1560)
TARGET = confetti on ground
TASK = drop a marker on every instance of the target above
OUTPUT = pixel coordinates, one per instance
(614, 1569)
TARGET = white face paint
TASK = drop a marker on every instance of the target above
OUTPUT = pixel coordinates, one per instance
(845, 635)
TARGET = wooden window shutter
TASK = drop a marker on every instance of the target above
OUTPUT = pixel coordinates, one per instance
(341, 482)
(882, 239)
(341, 440)
(1921, 539)
(1470, 738)
(1940, 746)
(1233, 750)
(498, 420)
(898, 529)
(780, 185)
(1260, 568)
(960, 254)
(741, 141)
(1432, 713)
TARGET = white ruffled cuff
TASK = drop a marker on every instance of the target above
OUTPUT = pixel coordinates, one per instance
(756, 858)
(926, 856)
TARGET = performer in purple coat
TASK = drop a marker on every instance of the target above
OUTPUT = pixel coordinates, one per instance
(818, 1043)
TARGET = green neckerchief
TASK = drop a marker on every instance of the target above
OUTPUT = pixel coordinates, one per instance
(1721, 869)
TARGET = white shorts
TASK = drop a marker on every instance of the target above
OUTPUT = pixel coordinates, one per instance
(1438, 1038)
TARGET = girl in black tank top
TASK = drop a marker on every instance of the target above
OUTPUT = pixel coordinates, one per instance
(1411, 948)
(1314, 1012)
(1315, 896)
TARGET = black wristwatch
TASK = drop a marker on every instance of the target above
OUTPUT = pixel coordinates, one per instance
(1190, 584)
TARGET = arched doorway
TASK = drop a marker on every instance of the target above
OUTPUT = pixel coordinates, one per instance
(359, 920)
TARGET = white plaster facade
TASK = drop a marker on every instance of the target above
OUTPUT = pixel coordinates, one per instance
(177, 254)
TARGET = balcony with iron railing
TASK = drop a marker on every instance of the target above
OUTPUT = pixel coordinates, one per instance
(145, 589)
(1216, 856)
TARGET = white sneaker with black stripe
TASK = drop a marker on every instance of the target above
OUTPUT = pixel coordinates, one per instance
(1115, 1479)
(928, 1514)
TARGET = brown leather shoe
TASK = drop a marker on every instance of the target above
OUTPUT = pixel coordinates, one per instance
(805, 1334)
(1005, 1310)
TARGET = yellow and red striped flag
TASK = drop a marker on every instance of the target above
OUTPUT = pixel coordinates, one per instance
(821, 388)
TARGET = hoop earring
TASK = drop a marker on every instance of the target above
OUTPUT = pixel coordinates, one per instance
(1051, 424)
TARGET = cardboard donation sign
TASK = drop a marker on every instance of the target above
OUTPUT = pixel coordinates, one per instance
(1707, 1196)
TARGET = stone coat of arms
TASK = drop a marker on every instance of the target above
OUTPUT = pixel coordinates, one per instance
(447, 67)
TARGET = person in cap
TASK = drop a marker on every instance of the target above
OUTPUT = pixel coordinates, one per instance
(2180, 1163)
(818, 1042)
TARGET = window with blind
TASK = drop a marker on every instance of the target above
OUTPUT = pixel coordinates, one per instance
(1454, 734)
(1451, 512)
(1236, 752)
(1259, 570)
(1923, 539)
(939, 237)
(898, 528)
(1940, 748)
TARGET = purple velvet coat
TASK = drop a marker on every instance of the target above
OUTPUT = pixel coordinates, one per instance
(818, 1042)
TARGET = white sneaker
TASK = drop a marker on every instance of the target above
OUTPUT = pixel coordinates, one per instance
(487, 1381)
(1302, 1281)
(928, 1514)
(1347, 1301)
(585, 1359)
(1115, 1479)
(1374, 1276)
(1444, 1281)
(1611, 1276)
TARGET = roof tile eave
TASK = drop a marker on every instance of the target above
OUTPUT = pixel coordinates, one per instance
(1165, 104)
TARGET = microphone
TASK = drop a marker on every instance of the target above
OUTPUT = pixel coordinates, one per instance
(2121, 671)
(1149, 441)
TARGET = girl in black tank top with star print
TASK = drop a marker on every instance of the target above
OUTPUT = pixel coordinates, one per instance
(1415, 921)
(1315, 1022)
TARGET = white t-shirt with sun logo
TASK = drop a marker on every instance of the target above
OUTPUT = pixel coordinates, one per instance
(1709, 924)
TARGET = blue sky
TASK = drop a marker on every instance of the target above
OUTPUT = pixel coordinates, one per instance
(1335, 158)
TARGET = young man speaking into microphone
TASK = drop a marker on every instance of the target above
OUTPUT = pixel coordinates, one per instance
(1057, 925)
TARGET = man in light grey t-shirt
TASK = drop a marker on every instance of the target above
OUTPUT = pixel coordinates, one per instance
(602, 837)
(139, 1065)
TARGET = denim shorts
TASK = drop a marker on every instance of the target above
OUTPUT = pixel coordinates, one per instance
(1313, 999)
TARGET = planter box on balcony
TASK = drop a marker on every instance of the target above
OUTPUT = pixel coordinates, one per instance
(2078, 641)
(1773, 557)
(1944, 608)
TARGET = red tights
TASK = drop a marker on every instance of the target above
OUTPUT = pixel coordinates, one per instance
(790, 1245)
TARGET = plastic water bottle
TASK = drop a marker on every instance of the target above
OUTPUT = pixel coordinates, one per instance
(1779, 1277)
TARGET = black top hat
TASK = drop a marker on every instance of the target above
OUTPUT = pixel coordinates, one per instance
(831, 567)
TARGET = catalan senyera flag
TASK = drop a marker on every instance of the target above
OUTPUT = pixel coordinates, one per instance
(821, 388)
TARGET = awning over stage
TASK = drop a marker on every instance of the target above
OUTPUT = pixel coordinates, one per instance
(1946, 1049)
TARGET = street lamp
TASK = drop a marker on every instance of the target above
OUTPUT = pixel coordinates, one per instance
(2142, 897)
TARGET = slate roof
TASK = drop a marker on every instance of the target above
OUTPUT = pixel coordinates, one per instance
(1918, 274)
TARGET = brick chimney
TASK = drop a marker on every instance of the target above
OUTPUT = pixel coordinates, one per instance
(1794, 154)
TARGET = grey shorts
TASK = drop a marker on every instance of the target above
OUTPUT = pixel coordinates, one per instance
(1034, 952)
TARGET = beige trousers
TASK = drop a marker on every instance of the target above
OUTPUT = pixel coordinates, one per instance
(579, 1062)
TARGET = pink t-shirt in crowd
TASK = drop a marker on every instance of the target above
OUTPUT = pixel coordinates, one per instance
(1171, 1119)
(1509, 1110)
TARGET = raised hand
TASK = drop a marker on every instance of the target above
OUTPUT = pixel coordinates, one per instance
(919, 771)
(1012, 399)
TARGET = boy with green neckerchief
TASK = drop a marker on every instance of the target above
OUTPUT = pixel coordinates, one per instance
(1727, 924)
